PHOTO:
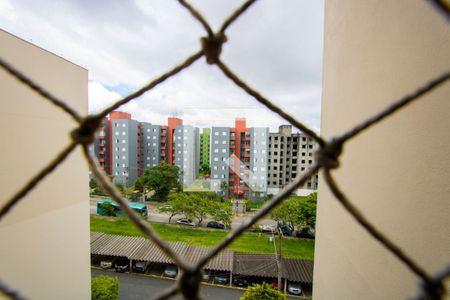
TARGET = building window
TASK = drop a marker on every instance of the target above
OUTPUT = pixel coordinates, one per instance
(216, 159)
(224, 150)
(124, 149)
(224, 142)
(216, 150)
(117, 133)
(216, 142)
(123, 125)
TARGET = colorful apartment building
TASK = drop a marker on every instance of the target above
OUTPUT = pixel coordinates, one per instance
(126, 147)
(239, 158)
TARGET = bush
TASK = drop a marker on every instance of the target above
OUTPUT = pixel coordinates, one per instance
(104, 288)
(263, 292)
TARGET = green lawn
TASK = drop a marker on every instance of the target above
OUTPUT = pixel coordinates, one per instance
(248, 242)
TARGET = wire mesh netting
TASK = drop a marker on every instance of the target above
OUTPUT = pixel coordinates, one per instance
(327, 157)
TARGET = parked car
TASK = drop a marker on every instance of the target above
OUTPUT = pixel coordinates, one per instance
(268, 228)
(170, 271)
(285, 230)
(122, 265)
(221, 279)
(214, 224)
(185, 221)
(274, 285)
(294, 288)
(205, 276)
(141, 266)
(107, 263)
(240, 282)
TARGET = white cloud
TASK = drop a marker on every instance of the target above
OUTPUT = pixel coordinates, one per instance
(275, 48)
(100, 97)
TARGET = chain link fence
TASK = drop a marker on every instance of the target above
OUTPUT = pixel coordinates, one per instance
(327, 157)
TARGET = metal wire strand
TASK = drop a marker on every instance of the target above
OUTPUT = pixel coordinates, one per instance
(36, 179)
(6, 291)
(432, 287)
(198, 16)
(40, 90)
(189, 61)
(277, 199)
(235, 15)
(443, 7)
(374, 232)
(143, 226)
(266, 102)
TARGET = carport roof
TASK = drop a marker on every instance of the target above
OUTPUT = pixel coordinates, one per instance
(223, 261)
(263, 265)
(115, 245)
(148, 251)
(95, 236)
(298, 270)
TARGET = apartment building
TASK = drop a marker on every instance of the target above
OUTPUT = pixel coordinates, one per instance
(290, 155)
(100, 147)
(259, 159)
(172, 124)
(205, 146)
(239, 158)
(151, 145)
(187, 152)
(126, 147)
(125, 144)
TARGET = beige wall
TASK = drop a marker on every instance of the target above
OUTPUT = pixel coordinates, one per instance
(44, 250)
(397, 173)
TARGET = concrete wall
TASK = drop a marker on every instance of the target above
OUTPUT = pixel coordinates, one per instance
(44, 250)
(398, 172)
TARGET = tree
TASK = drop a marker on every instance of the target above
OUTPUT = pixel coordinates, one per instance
(222, 212)
(297, 211)
(263, 292)
(205, 170)
(162, 178)
(104, 288)
(224, 188)
(197, 206)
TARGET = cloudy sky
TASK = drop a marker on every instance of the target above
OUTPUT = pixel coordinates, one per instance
(276, 47)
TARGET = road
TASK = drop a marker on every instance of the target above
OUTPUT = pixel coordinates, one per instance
(156, 217)
(137, 287)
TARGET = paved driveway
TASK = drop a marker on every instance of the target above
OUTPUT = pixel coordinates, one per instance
(137, 287)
